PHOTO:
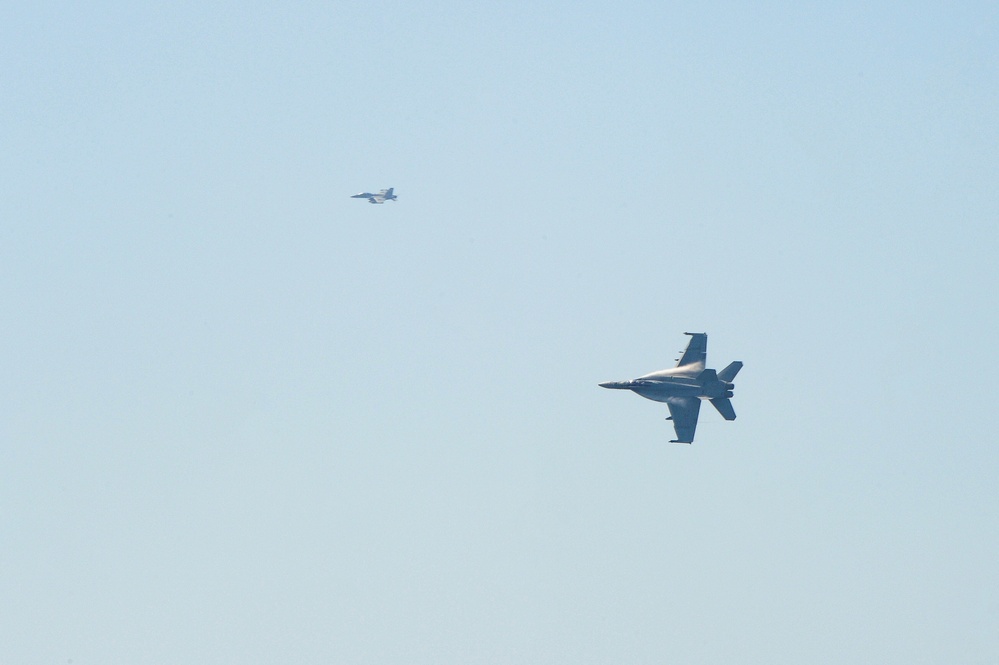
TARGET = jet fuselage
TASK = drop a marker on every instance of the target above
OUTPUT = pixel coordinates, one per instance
(381, 197)
(683, 387)
(677, 382)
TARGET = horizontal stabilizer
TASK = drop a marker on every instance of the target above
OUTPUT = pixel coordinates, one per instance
(729, 372)
(724, 406)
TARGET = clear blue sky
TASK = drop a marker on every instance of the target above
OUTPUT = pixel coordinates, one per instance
(247, 419)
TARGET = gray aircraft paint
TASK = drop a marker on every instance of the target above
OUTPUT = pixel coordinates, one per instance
(683, 387)
(381, 197)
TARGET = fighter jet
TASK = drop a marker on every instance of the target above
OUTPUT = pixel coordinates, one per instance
(684, 386)
(381, 197)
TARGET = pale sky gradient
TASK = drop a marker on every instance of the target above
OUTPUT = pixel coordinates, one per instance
(247, 419)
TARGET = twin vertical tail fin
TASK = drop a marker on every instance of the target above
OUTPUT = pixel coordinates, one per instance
(724, 404)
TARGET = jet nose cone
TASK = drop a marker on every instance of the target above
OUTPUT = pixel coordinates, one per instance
(613, 384)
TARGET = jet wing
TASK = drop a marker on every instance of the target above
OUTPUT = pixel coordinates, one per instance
(697, 351)
(683, 412)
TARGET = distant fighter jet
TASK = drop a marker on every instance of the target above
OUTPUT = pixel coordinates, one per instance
(684, 386)
(380, 197)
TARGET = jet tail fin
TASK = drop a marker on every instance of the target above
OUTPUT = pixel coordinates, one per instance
(724, 406)
(729, 372)
(707, 376)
